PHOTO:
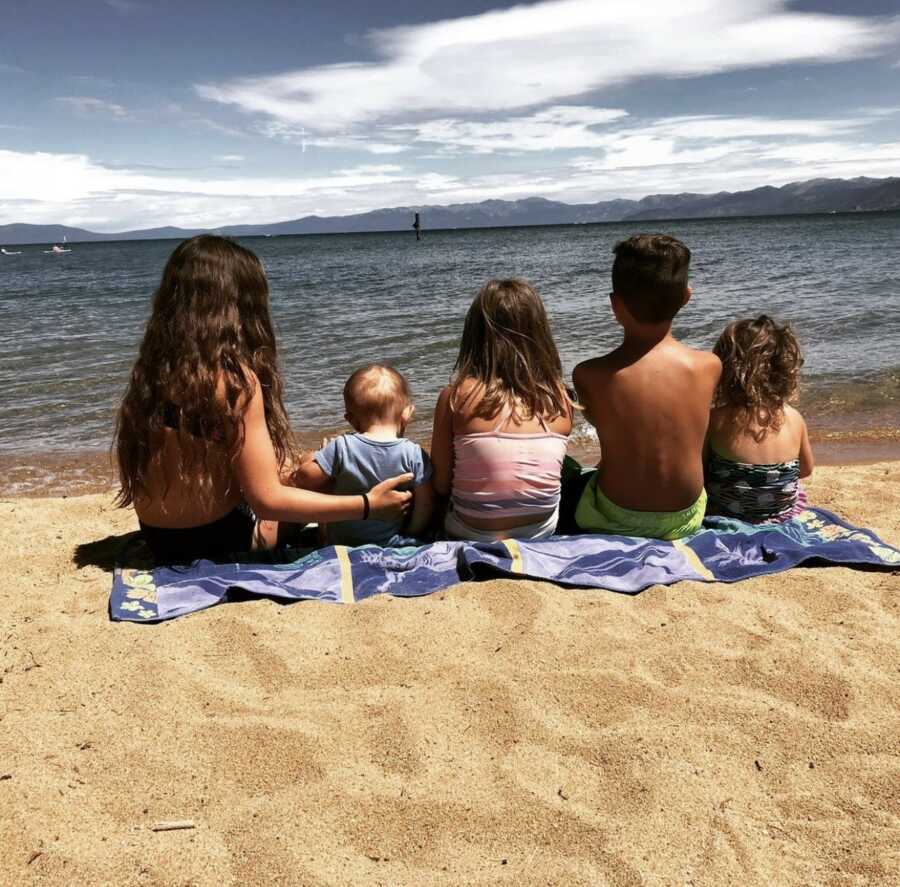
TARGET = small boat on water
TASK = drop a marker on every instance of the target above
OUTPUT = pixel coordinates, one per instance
(7, 252)
(56, 248)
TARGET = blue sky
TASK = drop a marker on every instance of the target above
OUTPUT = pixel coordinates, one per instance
(117, 114)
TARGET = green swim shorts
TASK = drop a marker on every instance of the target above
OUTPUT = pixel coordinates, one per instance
(596, 514)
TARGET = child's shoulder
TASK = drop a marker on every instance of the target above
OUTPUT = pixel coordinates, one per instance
(703, 362)
(595, 366)
(414, 460)
(698, 355)
(410, 446)
(464, 388)
(339, 441)
(463, 396)
(793, 415)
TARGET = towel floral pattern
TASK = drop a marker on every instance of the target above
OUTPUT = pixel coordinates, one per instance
(139, 593)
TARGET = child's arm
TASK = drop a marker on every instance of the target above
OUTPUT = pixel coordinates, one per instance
(711, 429)
(256, 468)
(807, 463)
(309, 476)
(442, 445)
(423, 503)
(578, 385)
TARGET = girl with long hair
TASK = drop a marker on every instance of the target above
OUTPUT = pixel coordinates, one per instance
(757, 445)
(502, 424)
(202, 438)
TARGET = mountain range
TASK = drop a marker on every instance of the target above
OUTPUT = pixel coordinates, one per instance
(814, 196)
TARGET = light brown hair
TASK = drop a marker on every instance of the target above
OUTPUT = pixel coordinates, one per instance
(650, 275)
(761, 363)
(376, 393)
(209, 329)
(508, 349)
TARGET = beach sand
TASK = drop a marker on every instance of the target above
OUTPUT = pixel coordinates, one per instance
(508, 732)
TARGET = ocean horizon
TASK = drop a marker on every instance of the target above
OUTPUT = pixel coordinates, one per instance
(407, 230)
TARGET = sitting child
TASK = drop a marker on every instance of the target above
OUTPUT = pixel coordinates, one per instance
(501, 426)
(757, 447)
(649, 401)
(377, 403)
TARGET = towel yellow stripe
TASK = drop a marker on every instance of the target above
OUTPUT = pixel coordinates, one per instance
(512, 546)
(693, 559)
(347, 596)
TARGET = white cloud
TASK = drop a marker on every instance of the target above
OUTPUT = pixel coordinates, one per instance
(47, 177)
(173, 112)
(555, 128)
(300, 136)
(87, 106)
(701, 139)
(626, 157)
(71, 188)
(545, 52)
(567, 127)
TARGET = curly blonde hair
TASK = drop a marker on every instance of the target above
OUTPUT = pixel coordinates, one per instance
(761, 363)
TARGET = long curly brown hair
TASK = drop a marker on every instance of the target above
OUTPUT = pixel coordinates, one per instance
(208, 335)
(508, 349)
(761, 363)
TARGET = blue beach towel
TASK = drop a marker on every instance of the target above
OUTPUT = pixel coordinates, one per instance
(725, 550)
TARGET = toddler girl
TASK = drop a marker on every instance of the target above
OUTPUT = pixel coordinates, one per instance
(757, 445)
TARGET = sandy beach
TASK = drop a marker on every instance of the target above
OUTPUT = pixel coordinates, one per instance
(504, 732)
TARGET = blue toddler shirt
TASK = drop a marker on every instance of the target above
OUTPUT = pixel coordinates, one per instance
(357, 463)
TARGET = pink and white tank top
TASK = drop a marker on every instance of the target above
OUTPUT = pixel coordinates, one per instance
(499, 474)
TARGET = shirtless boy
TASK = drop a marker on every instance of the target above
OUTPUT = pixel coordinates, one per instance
(649, 401)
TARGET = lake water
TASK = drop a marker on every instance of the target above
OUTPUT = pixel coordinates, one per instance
(72, 323)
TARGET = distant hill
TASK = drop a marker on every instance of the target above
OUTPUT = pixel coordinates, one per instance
(814, 196)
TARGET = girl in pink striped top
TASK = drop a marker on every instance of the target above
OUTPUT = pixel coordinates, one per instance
(501, 425)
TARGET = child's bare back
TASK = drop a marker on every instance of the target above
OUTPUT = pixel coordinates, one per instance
(650, 406)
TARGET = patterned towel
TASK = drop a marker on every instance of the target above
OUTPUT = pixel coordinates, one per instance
(725, 550)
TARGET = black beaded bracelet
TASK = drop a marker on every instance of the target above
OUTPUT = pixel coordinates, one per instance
(365, 506)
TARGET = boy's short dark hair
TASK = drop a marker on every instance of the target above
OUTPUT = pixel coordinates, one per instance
(650, 275)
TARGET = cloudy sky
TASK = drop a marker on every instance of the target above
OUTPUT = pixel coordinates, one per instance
(119, 114)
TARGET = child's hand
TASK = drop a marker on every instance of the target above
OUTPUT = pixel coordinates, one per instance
(290, 474)
(386, 502)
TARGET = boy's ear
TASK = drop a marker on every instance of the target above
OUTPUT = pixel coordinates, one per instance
(618, 307)
(350, 420)
(407, 413)
(688, 292)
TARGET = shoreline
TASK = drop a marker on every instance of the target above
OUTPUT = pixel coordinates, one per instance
(48, 475)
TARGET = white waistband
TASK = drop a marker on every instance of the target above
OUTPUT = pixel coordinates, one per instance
(457, 528)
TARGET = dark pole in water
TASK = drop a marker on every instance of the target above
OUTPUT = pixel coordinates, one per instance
(418, 226)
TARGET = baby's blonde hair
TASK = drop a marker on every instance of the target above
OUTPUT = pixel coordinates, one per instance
(376, 393)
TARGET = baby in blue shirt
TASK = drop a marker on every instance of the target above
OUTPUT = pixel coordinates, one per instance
(378, 407)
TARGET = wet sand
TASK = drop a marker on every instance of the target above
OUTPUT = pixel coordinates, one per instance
(82, 472)
(507, 732)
